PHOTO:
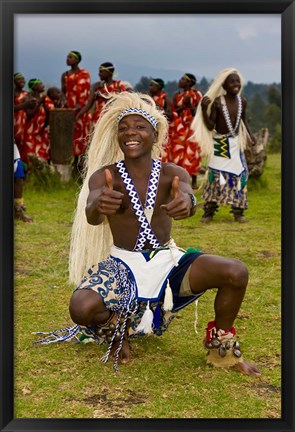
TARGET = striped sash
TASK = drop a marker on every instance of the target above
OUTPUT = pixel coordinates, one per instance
(146, 232)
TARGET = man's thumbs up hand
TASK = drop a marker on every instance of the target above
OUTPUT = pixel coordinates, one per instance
(109, 200)
(175, 187)
(109, 179)
(180, 205)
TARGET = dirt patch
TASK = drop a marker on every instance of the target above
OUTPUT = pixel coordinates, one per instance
(267, 388)
(271, 396)
(21, 269)
(113, 405)
(268, 254)
(270, 361)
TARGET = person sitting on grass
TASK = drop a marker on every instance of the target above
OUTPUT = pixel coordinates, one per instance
(135, 277)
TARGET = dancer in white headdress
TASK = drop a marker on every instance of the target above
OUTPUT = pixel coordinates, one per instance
(135, 277)
(222, 130)
(90, 244)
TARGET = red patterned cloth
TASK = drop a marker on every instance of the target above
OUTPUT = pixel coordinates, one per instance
(211, 332)
(186, 152)
(77, 92)
(36, 135)
(20, 119)
(49, 103)
(160, 99)
(115, 86)
(176, 130)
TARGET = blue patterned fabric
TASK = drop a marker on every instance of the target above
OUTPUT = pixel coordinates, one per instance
(141, 112)
(112, 280)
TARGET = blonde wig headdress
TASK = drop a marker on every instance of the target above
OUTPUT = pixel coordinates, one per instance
(91, 244)
(201, 133)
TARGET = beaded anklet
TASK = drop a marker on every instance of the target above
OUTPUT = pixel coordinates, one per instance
(107, 329)
(223, 349)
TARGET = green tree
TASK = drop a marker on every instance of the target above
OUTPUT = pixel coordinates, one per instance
(275, 144)
(203, 85)
(143, 84)
(256, 112)
(171, 87)
(274, 96)
(272, 117)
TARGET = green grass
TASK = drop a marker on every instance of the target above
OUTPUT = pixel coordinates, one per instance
(167, 377)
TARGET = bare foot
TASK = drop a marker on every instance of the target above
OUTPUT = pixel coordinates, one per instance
(124, 354)
(247, 368)
(26, 218)
(20, 214)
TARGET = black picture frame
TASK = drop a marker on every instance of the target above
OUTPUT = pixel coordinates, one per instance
(8, 9)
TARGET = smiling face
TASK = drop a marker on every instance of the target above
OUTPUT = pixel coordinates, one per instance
(232, 84)
(136, 136)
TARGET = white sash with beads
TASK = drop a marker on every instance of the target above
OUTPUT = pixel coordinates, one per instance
(146, 232)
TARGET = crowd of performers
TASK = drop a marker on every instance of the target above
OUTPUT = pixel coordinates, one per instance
(32, 131)
(31, 108)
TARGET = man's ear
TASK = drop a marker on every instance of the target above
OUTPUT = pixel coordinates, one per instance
(156, 136)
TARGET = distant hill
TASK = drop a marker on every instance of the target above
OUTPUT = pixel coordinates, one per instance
(249, 91)
(50, 75)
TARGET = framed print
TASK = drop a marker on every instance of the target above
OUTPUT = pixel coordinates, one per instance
(66, 387)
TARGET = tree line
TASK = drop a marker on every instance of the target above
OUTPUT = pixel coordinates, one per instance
(264, 105)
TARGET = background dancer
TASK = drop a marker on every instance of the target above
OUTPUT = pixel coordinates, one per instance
(101, 91)
(75, 86)
(222, 130)
(176, 134)
(185, 103)
(19, 176)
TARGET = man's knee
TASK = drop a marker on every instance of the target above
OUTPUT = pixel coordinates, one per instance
(237, 274)
(210, 271)
(84, 305)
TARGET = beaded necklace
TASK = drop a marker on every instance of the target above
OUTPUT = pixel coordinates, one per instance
(232, 130)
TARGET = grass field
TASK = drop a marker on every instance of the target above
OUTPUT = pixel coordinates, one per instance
(167, 377)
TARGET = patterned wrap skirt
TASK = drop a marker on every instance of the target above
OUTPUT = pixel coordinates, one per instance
(112, 278)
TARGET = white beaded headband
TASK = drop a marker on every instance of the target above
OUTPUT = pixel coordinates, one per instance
(140, 112)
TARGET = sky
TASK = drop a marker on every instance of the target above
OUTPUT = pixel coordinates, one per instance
(158, 46)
